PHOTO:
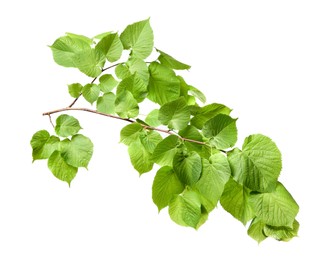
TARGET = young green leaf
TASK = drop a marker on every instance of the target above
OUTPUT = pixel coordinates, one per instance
(171, 62)
(43, 145)
(190, 132)
(90, 62)
(235, 200)
(75, 89)
(111, 47)
(107, 83)
(175, 114)
(130, 133)
(185, 209)
(165, 151)
(91, 92)
(105, 103)
(165, 186)
(67, 125)
(80, 37)
(139, 38)
(140, 157)
(150, 140)
(222, 131)
(255, 230)
(258, 165)
(197, 93)
(282, 233)
(125, 105)
(277, 208)
(78, 151)
(164, 86)
(206, 113)
(135, 85)
(60, 168)
(133, 66)
(187, 166)
(152, 118)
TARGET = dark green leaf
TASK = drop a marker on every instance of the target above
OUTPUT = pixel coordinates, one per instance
(165, 151)
(187, 166)
(138, 37)
(111, 47)
(107, 83)
(75, 89)
(164, 86)
(170, 62)
(165, 186)
(60, 168)
(125, 105)
(221, 130)
(135, 85)
(43, 145)
(152, 118)
(105, 103)
(175, 114)
(67, 125)
(91, 92)
(140, 158)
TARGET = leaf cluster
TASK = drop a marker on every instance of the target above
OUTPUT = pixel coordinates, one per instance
(198, 165)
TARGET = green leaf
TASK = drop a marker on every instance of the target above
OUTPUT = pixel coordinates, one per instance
(111, 47)
(60, 168)
(105, 103)
(215, 173)
(75, 89)
(90, 62)
(235, 200)
(107, 83)
(197, 93)
(91, 92)
(185, 209)
(133, 66)
(65, 49)
(101, 35)
(255, 230)
(164, 86)
(277, 208)
(130, 133)
(150, 140)
(175, 114)
(140, 158)
(221, 130)
(282, 233)
(190, 132)
(125, 105)
(67, 125)
(138, 37)
(152, 118)
(258, 165)
(78, 151)
(80, 37)
(135, 85)
(165, 186)
(170, 62)
(205, 113)
(43, 145)
(165, 151)
(187, 166)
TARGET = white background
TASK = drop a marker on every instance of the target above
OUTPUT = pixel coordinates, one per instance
(268, 60)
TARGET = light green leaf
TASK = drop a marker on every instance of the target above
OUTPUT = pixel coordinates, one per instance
(205, 113)
(130, 133)
(221, 130)
(78, 151)
(60, 168)
(185, 209)
(105, 103)
(65, 49)
(164, 86)
(197, 93)
(90, 62)
(135, 85)
(165, 186)
(215, 173)
(171, 62)
(150, 140)
(190, 132)
(140, 158)
(125, 105)
(138, 37)
(107, 83)
(101, 35)
(111, 46)
(67, 125)
(235, 200)
(187, 166)
(277, 208)
(175, 114)
(165, 151)
(80, 37)
(152, 118)
(75, 89)
(43, 145)
(255, 230)
(133, 66)
(282, 233)
(91, 92)
(258, 165)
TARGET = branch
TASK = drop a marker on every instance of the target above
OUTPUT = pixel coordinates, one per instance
(169, 132)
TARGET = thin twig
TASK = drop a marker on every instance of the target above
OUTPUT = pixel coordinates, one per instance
(51, 121)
